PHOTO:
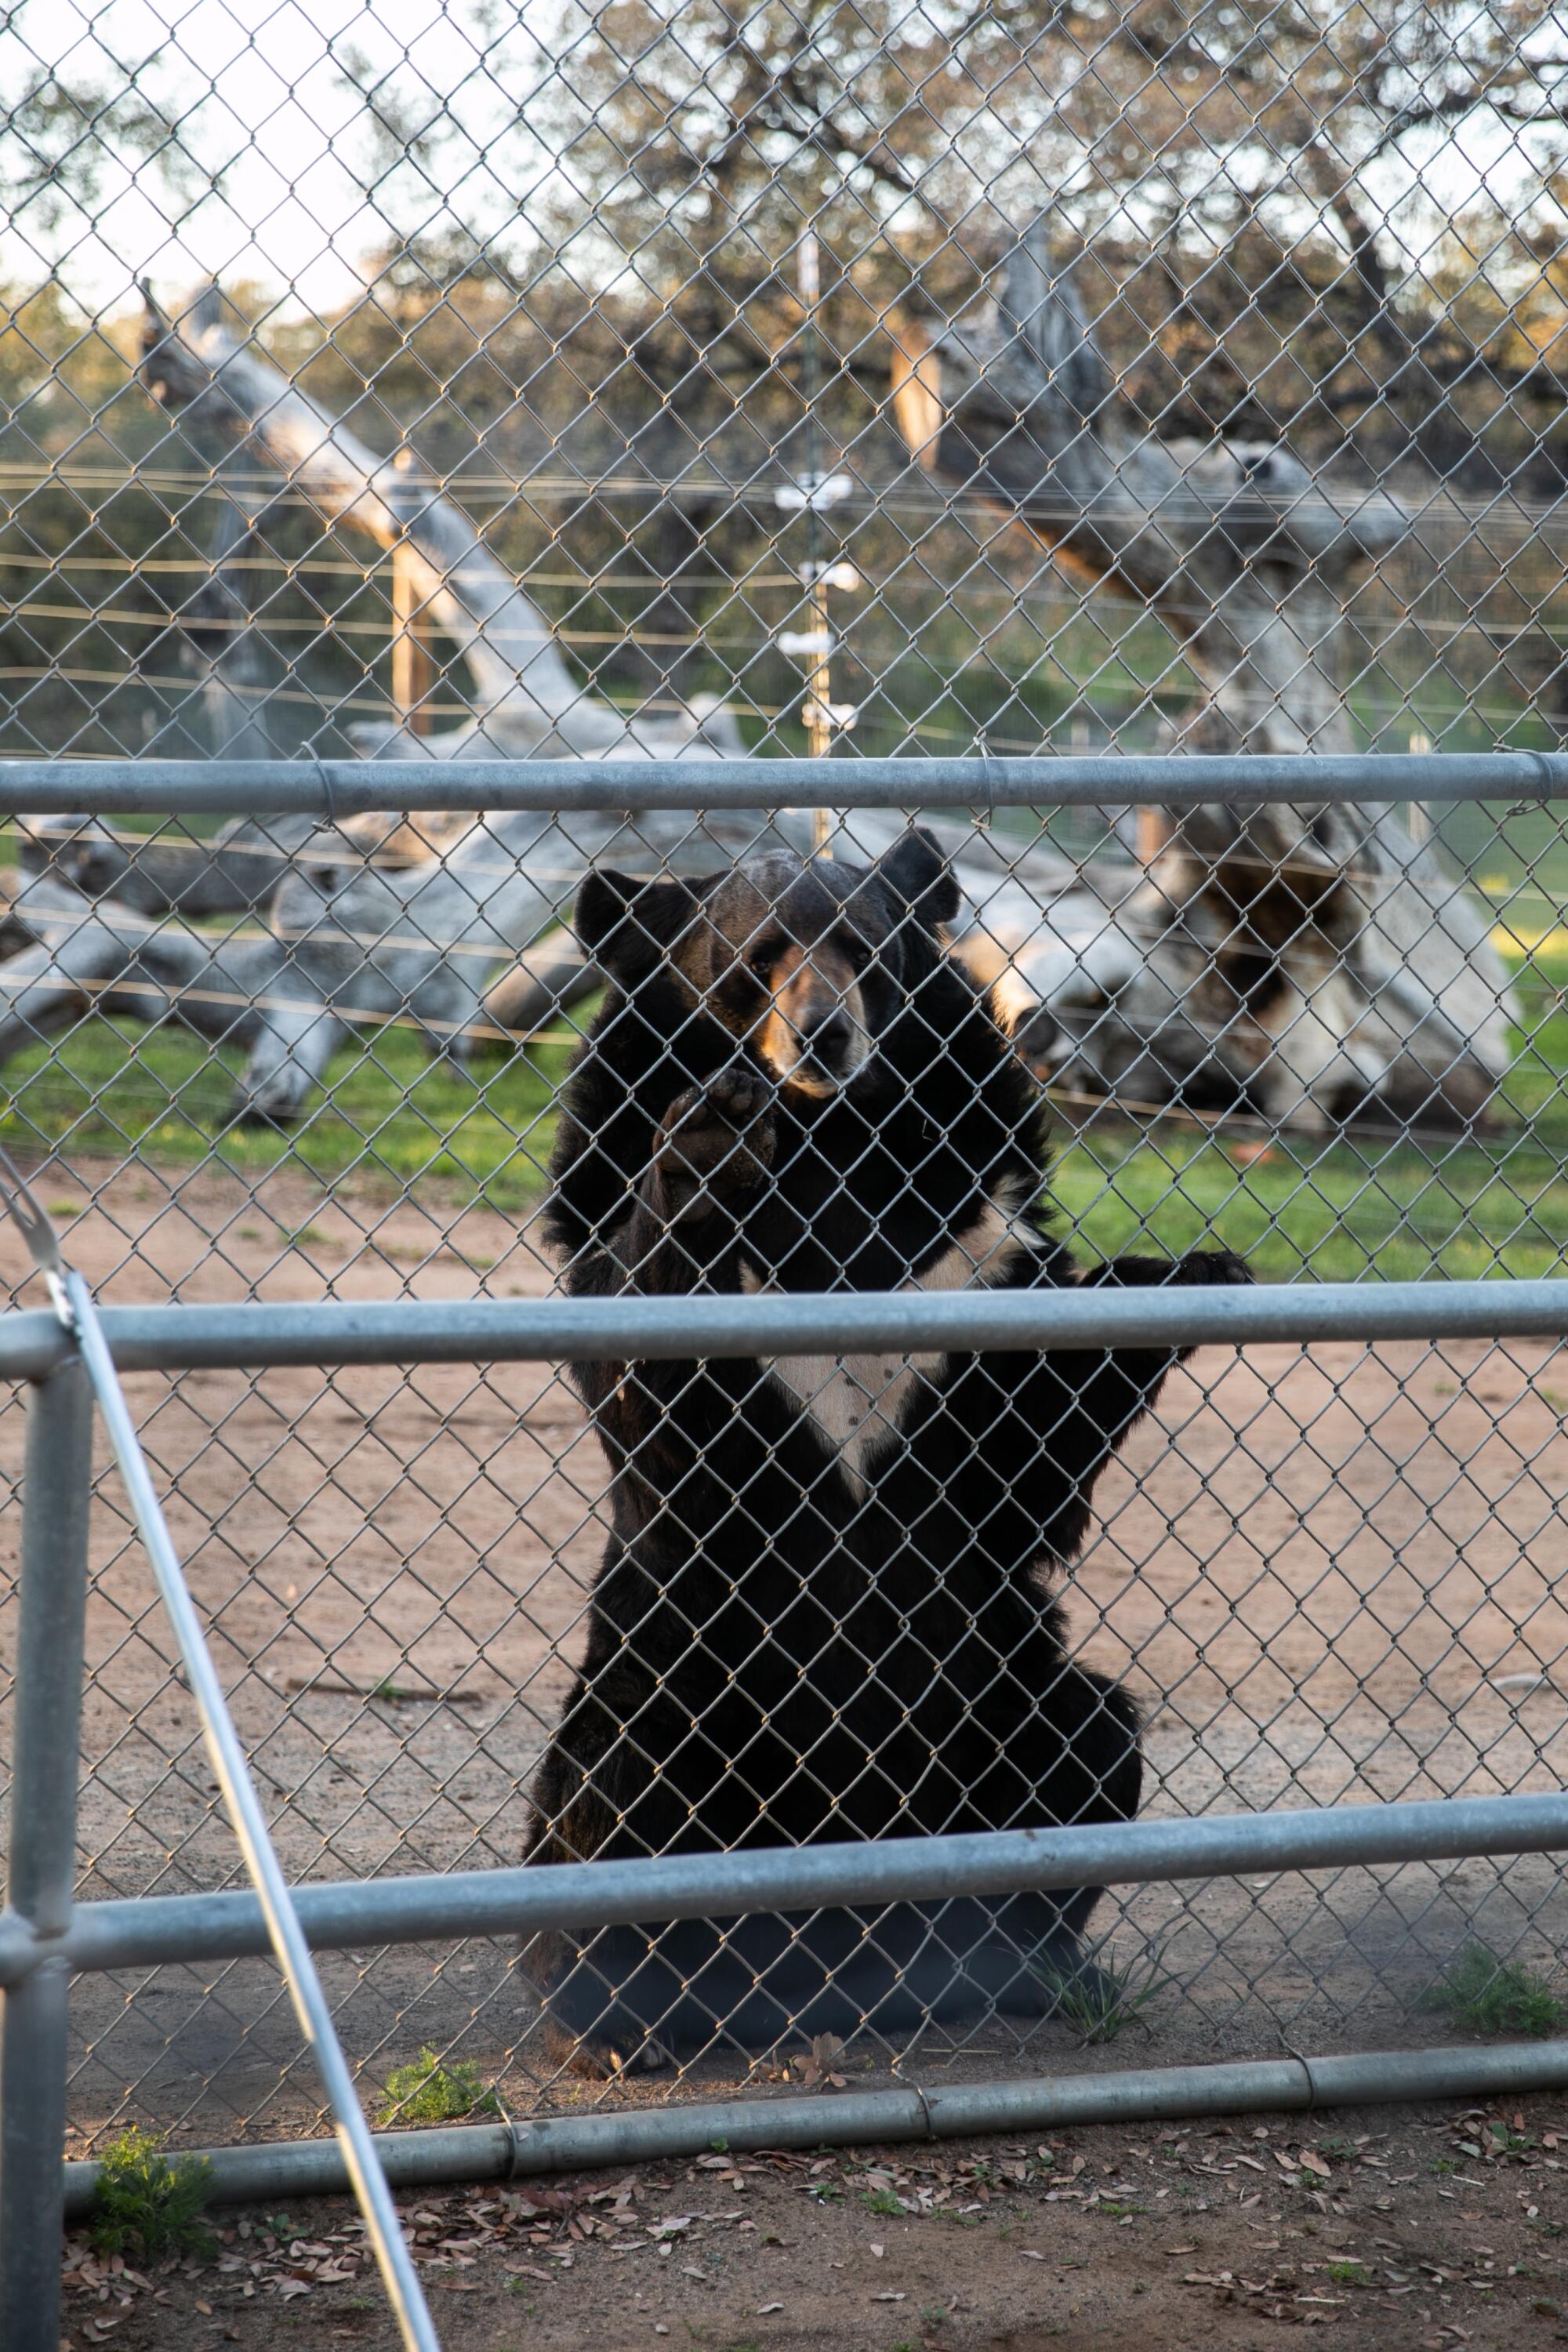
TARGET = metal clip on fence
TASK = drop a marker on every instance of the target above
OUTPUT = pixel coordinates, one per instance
(74, 1305)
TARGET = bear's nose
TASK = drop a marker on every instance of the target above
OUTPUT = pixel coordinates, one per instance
(826, 1035)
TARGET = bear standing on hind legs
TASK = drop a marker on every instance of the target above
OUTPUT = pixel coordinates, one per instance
(826, 1610)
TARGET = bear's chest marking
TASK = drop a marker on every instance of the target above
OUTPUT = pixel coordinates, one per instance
(856, 1404)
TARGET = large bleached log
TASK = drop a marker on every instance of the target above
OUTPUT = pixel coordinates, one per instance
(525, 701)
(1305, 960)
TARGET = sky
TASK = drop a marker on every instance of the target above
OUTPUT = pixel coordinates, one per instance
(261, 88)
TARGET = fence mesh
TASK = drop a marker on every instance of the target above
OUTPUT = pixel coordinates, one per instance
(688, 382)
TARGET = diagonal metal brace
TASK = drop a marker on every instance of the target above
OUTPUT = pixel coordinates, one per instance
(74, 1305)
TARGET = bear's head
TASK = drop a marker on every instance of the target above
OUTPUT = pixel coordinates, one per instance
(806, 964)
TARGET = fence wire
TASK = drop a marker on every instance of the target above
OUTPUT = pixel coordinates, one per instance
(682, 384)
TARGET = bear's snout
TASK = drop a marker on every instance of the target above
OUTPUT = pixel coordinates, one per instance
(828, 1040)
(815, 1032)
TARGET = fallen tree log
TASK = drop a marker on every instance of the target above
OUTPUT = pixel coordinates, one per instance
(1307, 961)
(525, 701)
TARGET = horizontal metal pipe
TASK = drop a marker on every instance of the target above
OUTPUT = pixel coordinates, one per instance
(146, 1930)
(404, 1332)
(1142, 2093)
(341, 788)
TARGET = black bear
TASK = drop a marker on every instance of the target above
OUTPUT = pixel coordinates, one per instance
(826, 1608)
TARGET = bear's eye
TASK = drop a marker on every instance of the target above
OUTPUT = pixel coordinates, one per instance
(761, 961)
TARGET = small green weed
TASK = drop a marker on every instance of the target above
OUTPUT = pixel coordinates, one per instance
(1118, 2213)
(1491, 1996)
(882, 2200)
(307, 1237)
(430, 2092)
(146, 2208)
(1107, 1996)
(280, 2226)
(1442, 2164)
(826, 2192)
(1348, 2274)
(65, 1208)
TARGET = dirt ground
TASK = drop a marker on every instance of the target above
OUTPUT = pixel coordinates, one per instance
(1396, 2228)
(1326, 1576)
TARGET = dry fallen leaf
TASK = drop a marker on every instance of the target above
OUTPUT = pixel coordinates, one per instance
(818, 2064)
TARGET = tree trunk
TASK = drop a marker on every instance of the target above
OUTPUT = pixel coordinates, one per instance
(526, 701)
(1304, 960)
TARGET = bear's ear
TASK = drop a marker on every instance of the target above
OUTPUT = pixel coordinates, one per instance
(916, 873)
(626, 926)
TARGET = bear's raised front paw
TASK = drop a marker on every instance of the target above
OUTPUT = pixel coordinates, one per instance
(718, 1138)
(1209, 1266)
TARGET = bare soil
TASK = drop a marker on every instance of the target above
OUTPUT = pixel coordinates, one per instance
(1397, 2227)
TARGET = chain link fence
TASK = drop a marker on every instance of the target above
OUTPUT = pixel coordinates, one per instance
(680, 385)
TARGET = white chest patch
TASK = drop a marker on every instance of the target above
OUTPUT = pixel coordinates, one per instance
(858, 1403)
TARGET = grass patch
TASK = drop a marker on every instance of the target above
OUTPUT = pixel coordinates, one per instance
(1110, 1996)
(1349, 2274)
(429, 2092)
(388, 1114)
(146, 2209)
(1485, 1995)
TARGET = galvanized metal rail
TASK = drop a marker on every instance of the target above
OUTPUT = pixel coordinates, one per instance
(341, 788)
(247, 1337)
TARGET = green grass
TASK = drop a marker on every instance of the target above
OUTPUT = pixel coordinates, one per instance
(388, 1114)
(1100, 2004)
(427, 2092)
(146, 2209)
(1337, 1210)
(1485, 1995)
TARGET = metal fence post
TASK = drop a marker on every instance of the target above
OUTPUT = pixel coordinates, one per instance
(41, 1873)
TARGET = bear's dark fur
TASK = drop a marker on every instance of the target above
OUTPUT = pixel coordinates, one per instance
(824, 1612)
